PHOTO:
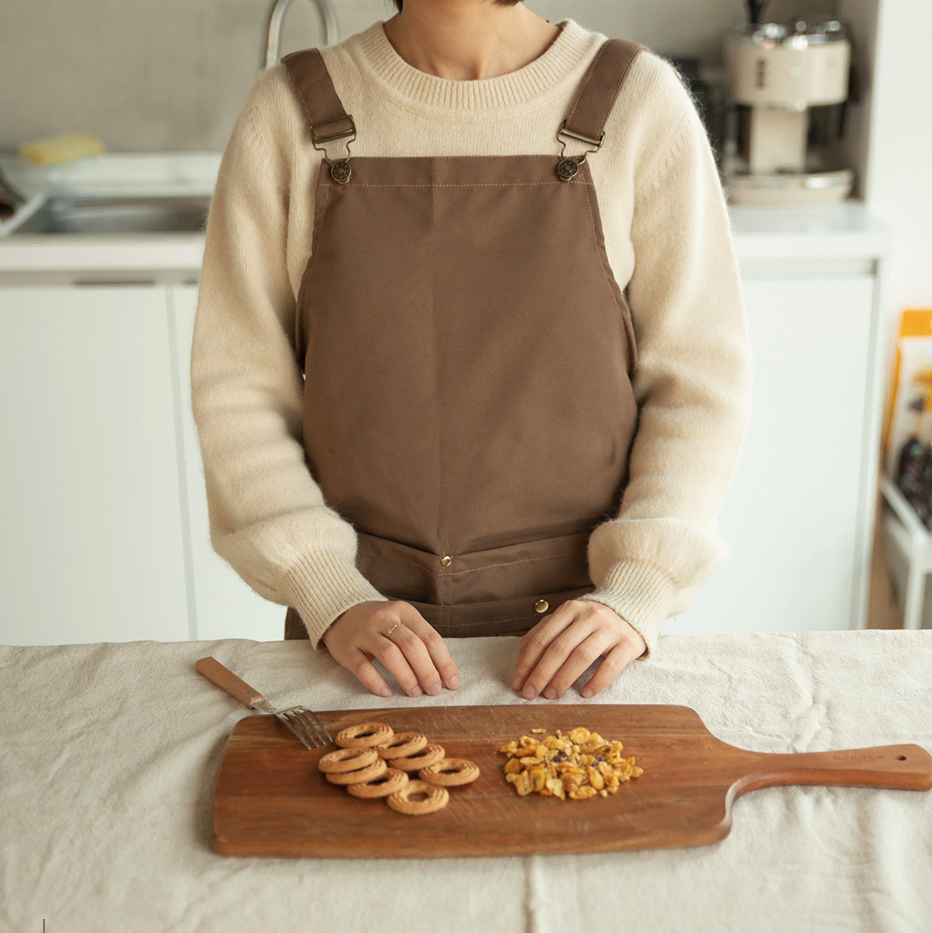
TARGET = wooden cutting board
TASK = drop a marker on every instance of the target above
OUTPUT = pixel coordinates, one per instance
(271, 800)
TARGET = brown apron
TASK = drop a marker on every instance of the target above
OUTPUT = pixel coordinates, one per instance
(467, 355)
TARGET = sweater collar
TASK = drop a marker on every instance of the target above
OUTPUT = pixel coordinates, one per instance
(528, 87)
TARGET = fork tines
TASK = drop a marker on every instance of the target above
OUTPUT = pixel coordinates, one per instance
(306, 726)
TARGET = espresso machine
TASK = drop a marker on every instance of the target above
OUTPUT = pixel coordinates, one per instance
(779, 77)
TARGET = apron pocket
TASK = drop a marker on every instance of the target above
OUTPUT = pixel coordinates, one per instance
(495, 617)
(515, 572)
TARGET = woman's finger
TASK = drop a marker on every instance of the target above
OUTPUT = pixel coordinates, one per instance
(367, 673)
(381, 646)
(436, 648)
(579, 661)
(418, 657)
(615, 662)
(407, 660)
(395, 662)
(556, 656)
(537, 641)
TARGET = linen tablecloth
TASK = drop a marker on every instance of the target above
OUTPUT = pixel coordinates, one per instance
(109, 753)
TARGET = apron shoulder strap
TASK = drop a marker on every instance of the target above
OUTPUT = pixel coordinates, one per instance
(325, 117)
(596, 94)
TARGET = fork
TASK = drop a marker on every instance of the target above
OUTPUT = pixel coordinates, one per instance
(299, 719)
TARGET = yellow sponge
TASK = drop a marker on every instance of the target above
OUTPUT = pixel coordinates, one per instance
(64, 148)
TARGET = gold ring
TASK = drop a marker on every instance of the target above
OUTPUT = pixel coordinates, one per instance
(388, 634)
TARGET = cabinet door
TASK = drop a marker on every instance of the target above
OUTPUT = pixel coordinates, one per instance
(791, 516)
(92, 533)
(224, 606)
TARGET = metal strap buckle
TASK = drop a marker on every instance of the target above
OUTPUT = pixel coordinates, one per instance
(348, 134)
(595, 143)
(317, 137)
(340, 169)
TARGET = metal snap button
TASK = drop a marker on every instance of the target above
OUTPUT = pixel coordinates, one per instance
(541, 605)
(567, 169)
(446, 560)
(340, 172)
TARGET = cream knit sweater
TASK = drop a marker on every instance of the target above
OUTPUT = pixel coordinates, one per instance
(668, 241)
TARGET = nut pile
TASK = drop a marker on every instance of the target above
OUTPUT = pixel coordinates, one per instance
(578, 765)
(372, 761)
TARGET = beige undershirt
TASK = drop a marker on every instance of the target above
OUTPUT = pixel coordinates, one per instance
(668, 242)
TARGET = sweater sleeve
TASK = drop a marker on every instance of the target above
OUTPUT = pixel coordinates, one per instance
(691, 384)
(268, 518)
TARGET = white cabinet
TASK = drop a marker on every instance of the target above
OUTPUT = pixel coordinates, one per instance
(106, 534)
(92, 527)
(223, 605)
(105, 529)
(795, 514)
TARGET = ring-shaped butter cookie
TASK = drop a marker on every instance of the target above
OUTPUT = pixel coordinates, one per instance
(376, 769)
(402, 744)
(450, 772)
(428, 756)
(347, 759)
(388, 782)
(431, 798)
(364, 735)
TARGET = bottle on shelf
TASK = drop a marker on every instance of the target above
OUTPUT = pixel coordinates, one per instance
(914, 467)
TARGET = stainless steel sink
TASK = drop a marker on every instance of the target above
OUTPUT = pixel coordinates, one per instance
(117, 215)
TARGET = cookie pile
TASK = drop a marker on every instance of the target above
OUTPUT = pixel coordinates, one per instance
(373, 761)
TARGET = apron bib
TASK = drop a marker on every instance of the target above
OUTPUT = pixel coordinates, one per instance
(467, 355)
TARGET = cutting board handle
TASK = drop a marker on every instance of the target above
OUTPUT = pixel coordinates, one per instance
(906, 767)
(224, 678)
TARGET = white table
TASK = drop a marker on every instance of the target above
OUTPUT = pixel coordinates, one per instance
(109, 752)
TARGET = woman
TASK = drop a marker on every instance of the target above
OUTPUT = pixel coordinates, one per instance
(470, 353)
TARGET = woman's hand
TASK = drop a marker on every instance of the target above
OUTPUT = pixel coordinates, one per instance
(563, 645)
(399, 636)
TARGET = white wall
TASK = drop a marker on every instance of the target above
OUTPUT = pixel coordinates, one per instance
(899, 179)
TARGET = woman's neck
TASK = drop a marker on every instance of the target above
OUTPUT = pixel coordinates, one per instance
(466, 40)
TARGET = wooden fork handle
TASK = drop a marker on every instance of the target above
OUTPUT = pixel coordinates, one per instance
(224, 678)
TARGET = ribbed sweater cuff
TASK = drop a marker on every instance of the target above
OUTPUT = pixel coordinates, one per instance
(323, 585)
(641, 595)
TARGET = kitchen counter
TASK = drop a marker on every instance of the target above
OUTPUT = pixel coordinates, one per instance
(841, 232)
(110, 752)
(124, 173)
